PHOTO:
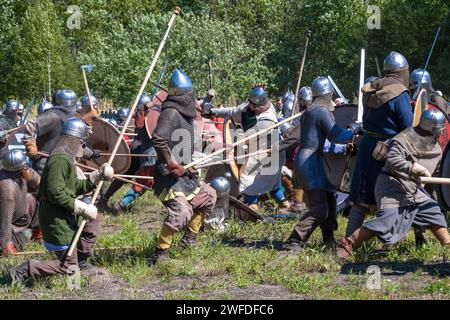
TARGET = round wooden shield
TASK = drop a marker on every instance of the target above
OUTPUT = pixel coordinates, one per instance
(104, 136)
(153, 114)
(339, 167)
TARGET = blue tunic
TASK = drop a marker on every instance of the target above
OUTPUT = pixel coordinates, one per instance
(388, 120)
(317, 125)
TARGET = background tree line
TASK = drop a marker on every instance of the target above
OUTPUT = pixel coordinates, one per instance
(250, 41)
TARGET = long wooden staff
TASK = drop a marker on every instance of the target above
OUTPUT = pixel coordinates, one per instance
(86, 84)
(210, 164)
(127, 122)
(300, 75)
(242, 141)
(434, 180)
(361, 84)
(13, 130)
(85, 167)
(125, 155)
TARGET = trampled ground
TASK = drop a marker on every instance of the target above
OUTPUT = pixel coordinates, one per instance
(244, 262)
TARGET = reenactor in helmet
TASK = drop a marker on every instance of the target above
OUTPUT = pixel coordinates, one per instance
(18, 219)
(44, 106)
(42, 132)
(422, 79)
(287, 102)
(122, 114)
(85, 111)
(387, 112)
(317, 125)
(142, 166)
(187, 199)
(60, 211)
(254, 115)
(401, 199)
(11, 116)
(291, 144)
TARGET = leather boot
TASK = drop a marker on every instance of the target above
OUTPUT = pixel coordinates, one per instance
(102, 203)
(255, 207)
(293, 243)
(119, 208)
(188, 240)
(160, 255)
(328, 238)
(19, 275)
(419, 237)
(344, 249)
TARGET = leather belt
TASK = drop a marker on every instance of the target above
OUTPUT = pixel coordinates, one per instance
(378, 135)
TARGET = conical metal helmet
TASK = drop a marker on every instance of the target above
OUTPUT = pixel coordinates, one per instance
(179, 83)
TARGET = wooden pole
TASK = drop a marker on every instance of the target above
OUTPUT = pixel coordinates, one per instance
(117, 177)
(300, 75)
(86, 84)
(434, 180)
(125, 155)
(237, 158)
(15, 129)
(127, 122)
(242, 141)
(361, 84)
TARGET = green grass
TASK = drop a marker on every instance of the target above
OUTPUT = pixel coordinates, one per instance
(225, 265)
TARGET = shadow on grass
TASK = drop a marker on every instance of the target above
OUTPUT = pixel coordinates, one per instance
(257, 244)
(110, 257)
(5, 278)
(440, 269)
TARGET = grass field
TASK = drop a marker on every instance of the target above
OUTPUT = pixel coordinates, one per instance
(244, 262)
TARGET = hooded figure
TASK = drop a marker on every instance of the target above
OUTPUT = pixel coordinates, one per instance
(401, 199)
(18, 218)
(387, 111)
(8, 121)
(60, 211)
(256, 179)
(42, 132)
(316, 126)
(187, 199)
(421, 78)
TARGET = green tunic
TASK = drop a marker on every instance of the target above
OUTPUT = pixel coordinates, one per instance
(58, 190)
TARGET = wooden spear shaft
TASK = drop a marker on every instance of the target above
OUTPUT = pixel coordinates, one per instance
(237, 158)
(133, 177)
(361, 84)
(434, 180)
(86, 84)
(13, 130)
(243, 140)
(125, 155)
(127, 122)
(300, 75)
(118, 177)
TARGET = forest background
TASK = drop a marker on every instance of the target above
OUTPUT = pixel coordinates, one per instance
(43, 43)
